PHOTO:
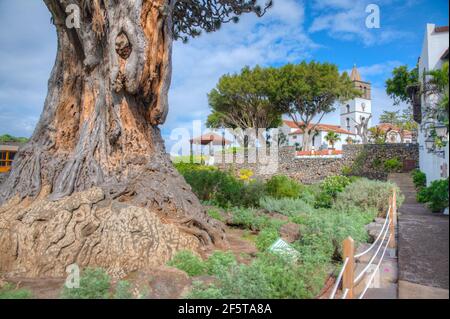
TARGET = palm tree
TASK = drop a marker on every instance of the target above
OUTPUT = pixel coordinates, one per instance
(377, 135)
(332, 138)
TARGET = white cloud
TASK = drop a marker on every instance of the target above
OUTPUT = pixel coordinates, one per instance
(276, 38)
(346, 20)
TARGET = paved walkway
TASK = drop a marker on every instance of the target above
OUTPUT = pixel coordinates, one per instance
(423, 247)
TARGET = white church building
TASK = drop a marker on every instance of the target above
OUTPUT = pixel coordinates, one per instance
(352, 113)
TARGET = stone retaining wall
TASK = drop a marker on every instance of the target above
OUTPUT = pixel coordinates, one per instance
(361, 160)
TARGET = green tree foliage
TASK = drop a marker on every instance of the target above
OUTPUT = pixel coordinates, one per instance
(438, 86)
(308, 91)
(240, 101)
(404, 121)
(6, 138)
(402, 78)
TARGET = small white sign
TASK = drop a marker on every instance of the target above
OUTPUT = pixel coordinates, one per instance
(283, 248)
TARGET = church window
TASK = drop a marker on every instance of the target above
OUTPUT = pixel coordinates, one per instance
(348, 123)
(348, 108)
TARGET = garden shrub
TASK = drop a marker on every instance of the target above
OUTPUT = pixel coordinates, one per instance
(436, 195)
(123, 290)
(252, 193)
(213, 185)
(222, 188)
(189, 263)
(270, 276)
(330, 188)
(282, 186)
(95, 283)
(419, 179)
(285, 206)
(214, 213)
(10, 292)
(393, 165)
(216, 264)
(266, 238)
(377, 163)
(324, 200)
(346, 171)
(220, 262)
(333, 185)
(366, 194)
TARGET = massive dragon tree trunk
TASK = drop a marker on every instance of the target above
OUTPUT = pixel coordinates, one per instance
(107, 95)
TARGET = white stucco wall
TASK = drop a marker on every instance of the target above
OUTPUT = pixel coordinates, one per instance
(434, 46)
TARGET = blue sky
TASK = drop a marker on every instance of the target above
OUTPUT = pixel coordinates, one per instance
(293, 30)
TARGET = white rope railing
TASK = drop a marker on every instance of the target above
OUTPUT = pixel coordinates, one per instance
(345, 294)
(346, 275)
(376, 240)
(362, 273)
(339, 278)
(361, 296)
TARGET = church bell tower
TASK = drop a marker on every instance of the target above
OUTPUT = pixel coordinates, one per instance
(355, 111)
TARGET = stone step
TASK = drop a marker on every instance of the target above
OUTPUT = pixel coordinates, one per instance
(390, 292)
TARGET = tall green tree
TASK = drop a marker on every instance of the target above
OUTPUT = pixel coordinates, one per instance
(397, 85)
(240, 101)
(308, 91)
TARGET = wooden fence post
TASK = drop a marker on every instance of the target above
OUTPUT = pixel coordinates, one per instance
(392, 217)
(349, 273)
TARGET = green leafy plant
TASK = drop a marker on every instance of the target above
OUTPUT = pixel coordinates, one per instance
(8, 291)
(266, 238)
(436, 195)
(324, 200)
(95, 283)
(377, 163)
(189, 263)
(285, 206)
(220, 262)
(282, 186)
(214, 213)
(123, 290)
(346, 171)
(333, 185)
(419, 179)
(251, 194)
(393, 165)
(366, 194)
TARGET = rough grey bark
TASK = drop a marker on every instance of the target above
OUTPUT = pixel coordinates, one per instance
(107, 94)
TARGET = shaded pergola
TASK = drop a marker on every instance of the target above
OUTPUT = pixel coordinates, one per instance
(209, 139)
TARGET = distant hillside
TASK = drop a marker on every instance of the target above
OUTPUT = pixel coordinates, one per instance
(12, 139)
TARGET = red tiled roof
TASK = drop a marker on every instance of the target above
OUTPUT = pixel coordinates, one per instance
(208, 138)
(441, 29)
(387, 127)
(319, 127)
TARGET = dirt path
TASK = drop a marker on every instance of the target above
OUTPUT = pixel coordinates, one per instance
(423, 247)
